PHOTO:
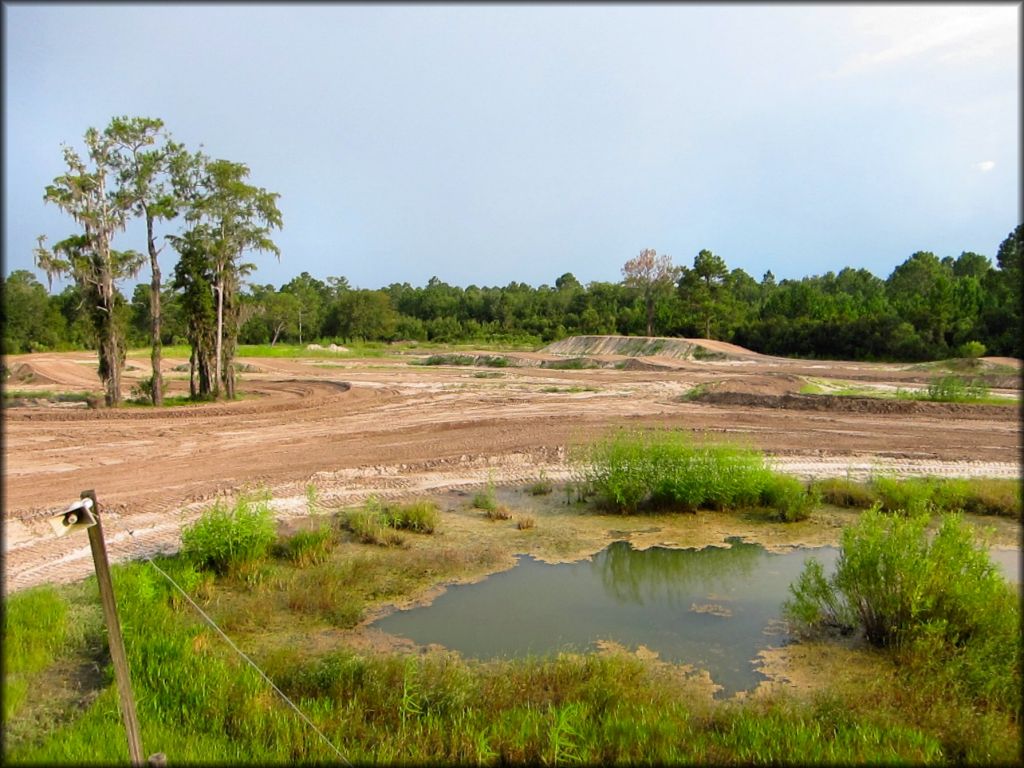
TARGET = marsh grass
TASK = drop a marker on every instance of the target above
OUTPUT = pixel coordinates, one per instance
(369, 526)
(976, 495)
(419, 516)
(571, 364)
(499, 512)
(380, 523)
(632, 471)
(485, 499)
(542, 487)
(310, 547)
(950, 389)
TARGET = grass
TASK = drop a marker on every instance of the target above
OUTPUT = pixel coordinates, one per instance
(572, 364)
(380, 523)
(568, 390)
(978, 496)
(542, 487)
(199, 703)
(57, 397)
(946, 389)
(631, 471)
(227, 540)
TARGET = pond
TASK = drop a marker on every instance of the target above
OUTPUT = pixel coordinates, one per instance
(713, 608)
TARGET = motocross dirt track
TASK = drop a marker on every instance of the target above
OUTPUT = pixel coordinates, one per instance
(360, 427)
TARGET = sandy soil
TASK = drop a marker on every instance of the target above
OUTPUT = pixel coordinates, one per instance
(383, 427)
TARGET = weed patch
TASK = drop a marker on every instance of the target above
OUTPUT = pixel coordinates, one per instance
(634, 470)
(225, 540)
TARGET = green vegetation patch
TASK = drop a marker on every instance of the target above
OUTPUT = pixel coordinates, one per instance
(940, 598)
(572, 364)
(630, 471)
(977, 496)
(227, 539)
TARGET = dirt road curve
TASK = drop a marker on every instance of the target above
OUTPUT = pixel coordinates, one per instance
(385, 427)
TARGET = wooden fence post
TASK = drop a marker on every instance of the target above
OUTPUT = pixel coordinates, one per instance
(117, 653)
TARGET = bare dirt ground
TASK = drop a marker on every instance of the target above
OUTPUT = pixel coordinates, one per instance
(360, 427)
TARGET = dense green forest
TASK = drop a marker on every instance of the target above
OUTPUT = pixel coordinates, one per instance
(928, 308)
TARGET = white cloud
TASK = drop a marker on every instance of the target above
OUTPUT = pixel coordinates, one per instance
(985, 165)
(948, 34)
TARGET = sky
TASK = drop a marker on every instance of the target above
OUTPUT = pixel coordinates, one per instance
(485, 144)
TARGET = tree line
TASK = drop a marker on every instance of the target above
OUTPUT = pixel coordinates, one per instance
(927, 308)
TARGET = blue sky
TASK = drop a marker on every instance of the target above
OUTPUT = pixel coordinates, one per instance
(491, 143)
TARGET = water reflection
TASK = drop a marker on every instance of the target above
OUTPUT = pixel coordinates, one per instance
(669, 576)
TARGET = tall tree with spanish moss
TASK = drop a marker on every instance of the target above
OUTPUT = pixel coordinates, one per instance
(230, 217)
(147, 163)
(89, 193)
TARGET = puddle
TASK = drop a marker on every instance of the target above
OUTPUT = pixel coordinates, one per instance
(713, 608)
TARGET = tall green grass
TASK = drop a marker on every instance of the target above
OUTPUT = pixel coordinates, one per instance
(976, 495)
(227, 539)
(35, 629)
(665, 470)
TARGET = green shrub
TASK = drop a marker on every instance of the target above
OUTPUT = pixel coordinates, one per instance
(788, 498)
(893, 582)
(224, 540)
(971, 350)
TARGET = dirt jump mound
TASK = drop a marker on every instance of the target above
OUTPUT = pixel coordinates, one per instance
(648, 346)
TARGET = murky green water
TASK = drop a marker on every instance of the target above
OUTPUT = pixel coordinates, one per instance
(714, 608)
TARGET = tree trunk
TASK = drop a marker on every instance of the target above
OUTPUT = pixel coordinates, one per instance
(192, 374)
(154, 314)
(650, 315)
(220, 334)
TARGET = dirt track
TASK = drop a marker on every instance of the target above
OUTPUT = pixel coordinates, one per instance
(382, 426)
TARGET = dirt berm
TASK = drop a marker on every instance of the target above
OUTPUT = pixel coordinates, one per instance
(645, 346)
